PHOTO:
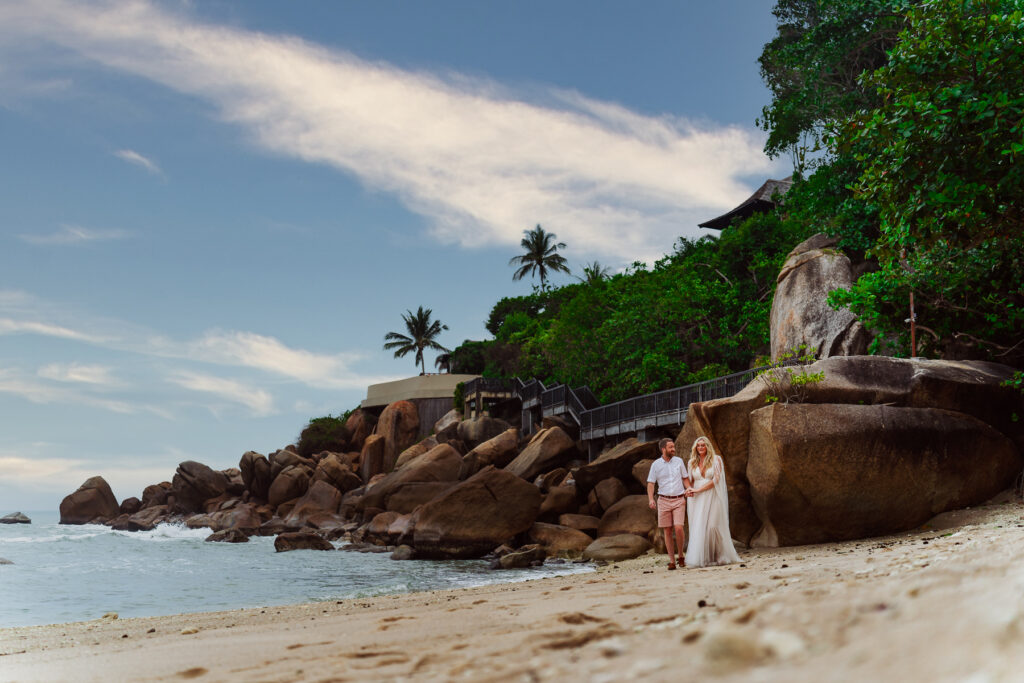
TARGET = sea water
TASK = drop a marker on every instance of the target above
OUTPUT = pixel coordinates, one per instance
(63, 573)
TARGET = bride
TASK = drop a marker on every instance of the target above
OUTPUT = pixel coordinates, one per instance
(708, 509)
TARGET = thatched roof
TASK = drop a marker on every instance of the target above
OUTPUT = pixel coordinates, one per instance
(761, 200)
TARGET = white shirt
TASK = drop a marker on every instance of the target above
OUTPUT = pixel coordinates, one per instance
(669, 476)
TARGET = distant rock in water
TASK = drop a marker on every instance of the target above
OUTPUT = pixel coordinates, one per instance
(15, 518)
(4, 561)
(93, 502)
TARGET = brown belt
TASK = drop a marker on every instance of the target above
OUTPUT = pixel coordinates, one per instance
(679, 496)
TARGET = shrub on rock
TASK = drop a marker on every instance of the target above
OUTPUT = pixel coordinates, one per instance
(326, 433)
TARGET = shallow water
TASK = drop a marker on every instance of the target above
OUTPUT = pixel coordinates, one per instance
(76, 573)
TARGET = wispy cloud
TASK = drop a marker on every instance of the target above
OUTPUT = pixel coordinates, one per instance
(46, 329)
(77, 372)
(481, 161)
(133, 157)
(72, 235)
(258, 401)
(33, 466)
(29, 388)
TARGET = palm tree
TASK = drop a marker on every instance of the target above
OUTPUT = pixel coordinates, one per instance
(594, 273)
(443, 362)
(540, 256)
(422, 331)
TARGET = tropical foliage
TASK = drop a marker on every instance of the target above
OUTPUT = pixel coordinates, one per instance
(421, 334)
(540, 256)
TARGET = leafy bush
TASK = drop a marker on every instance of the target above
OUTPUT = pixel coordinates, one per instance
(326, 433)
(787, 378)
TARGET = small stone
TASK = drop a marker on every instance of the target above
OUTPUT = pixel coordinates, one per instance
(189, 631)
(109, 616)
(152, 630)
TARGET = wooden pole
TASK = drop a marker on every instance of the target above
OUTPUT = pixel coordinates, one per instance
(913, 327)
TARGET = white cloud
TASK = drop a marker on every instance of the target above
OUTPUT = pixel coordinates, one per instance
(12, 326)
(77, 372)
(32, 468)
(133, 157)
(28, 388)
(74, 234)
(483, 163)
(258, 401)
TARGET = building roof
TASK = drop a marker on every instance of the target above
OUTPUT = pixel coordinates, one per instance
(761, 200)
(422, 386)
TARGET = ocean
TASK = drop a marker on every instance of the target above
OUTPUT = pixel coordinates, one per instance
(63, 573)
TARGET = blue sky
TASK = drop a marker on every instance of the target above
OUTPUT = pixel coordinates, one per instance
(212, 212)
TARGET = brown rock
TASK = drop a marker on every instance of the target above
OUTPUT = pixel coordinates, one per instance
(147, 518)
(499, 451)
(548, 449)
(227, 536)
(406, 497)
(414, 451)
(609, 492)
(475, 432)
(524, 557)
(586, 523)
(129, 506)
(300, 540)
(377, 530)
(371, 459)
(194, 483)
(399, 424)
(559, 540)
(643, 468)
(283, 459)
(291, 483)
(821, 473)
(236, 485)
(255, 470)
(559, 501)
(360, 424)
(243, 518)
(615, 548)
(93, 502)
(476, 515)
(155, 494)
(617, 462)
(401, 528)
(321, 497)
(631, 515)
(440, 464)
(335, 469)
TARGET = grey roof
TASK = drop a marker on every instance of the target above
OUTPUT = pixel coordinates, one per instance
(761, 200)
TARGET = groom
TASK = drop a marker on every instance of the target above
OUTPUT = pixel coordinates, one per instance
(670, 474)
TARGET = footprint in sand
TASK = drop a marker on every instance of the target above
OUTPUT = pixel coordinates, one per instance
(577, 618)
(194, 672)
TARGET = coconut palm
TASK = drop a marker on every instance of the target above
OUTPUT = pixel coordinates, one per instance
(540, 256)
(422, 332)
(443, 362)
(594, 273)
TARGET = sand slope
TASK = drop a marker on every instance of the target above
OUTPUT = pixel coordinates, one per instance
(942, 604)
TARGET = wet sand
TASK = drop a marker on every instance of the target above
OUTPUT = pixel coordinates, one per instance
(944, 603)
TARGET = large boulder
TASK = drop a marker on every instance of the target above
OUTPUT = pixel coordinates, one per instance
(498, 451)
(800, 310)
(147, 518)
(615, 548)
(475, 516)
(360, 424)
(559, 500)
(156, 494)
(292, 482)
(440, 464)
(609, 492)
(631, 515)
(320, 498)
(129, 506)
(399, 424)
(280, 460)
(336, 470)
(255, 470)
(616, 462)
(17, 518)
(301, 540)
(559, 540)
(548, 449)
(831, 472)
(452, 417)
(371, 458)
(474, 432)
(408, 496)
(414, 451)
(588, 524)
(242, 518)
(970, 387)
(93, 502)
(193, 483)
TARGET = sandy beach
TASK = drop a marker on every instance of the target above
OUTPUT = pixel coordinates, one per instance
(944, 603)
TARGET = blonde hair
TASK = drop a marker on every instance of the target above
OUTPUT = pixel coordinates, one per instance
(694, 458)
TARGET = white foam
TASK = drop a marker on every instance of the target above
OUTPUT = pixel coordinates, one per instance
(168, 532)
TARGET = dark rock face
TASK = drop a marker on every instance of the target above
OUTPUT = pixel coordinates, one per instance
(129, 506)
(524, 557)
(300, 540)
(155, 494)
(320, 498)
(800, 311)
(283, 459)
(559, 540)
(291, 483)
(631, 515)
(548, 449)
(336, 470)
(255, 469)
(559, 501)
(440, 464)
(227, 536)
(360, 424)
(193, 483)
(371, 459)
(15, 518)
(243, 518)
(92, 502)
(399, 424)
(476, 515)
(498, 451)
(615, 548)
(970, 388)
(147, 518)
(475, 432)
(831, 472)
(617, 462)
(414, 451)
(586, 523)
(407, 497)
(609, 492)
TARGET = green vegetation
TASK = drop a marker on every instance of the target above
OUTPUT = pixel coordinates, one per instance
(422, 335)
(326, 433)
(787, 378)
(540, 256)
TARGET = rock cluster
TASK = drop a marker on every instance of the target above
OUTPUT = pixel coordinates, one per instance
(470, 488)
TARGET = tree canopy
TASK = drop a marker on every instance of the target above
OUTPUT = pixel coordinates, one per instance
(422, 333)
(540, 256)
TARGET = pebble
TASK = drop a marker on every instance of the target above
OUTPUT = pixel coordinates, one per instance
(189, 631)
(109, 616)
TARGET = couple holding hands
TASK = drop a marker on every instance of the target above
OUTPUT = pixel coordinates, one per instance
(696, 490)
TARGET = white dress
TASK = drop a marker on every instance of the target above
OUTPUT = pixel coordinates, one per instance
(708, 514)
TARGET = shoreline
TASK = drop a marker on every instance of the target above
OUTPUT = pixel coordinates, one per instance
(945, 602)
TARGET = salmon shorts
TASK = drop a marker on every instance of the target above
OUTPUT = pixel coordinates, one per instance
(671, 511)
